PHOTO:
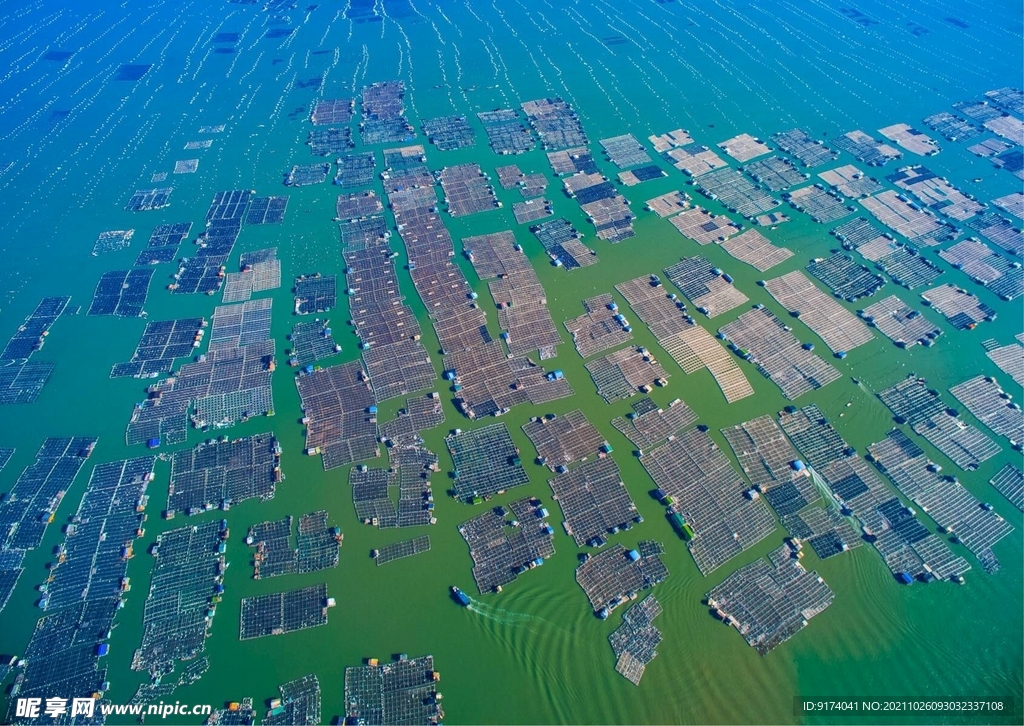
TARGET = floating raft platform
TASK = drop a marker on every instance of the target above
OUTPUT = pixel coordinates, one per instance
(400, 550)
(818, 203)
(1010, 359)
(613, 576)
(998, 274)
(668, 204)
(304, 175)
(509, 176)
(1000, 230)
(329, 111)
(1012, 203)
(709, 495)
(572, 161)
(679, 149)
(532, 210)
(555, 122)
(311, 341)
(911, 139)
(22, 382)
(404, 691)
(412, 466)
(599, 328)
(562, 440)
(121, 293)
(625, 151)
(383, 117)
(605, 208)
(503, 548)
(647, 425)
(704, 286)
(448, 133)
(744, 147)
(936, 192)
(222, 474)
(241, 324)
(186, 166)
(419, 414)
(953, 128)
(738, 193)
(776, 173)
(866, 149)
(770, 601)
(952, 507)
(283, 612)
(328, 142)
(299, 704)
(144, 200)
(756, 250)
(260, 271)
(911, 401)
(621, 374)
(806, 150)
(161, 343)
(920, 226)
(315, 293)
(188, 575)
(506, 133)
(112, 241)
(769, 461)
(594, 501)
(31, 335)
(92, 561)
(991, 405)
(850, 181)
(32, 500)
(963, 310)
(900, 323)
(266, 210)
(1009, 481)
(163, 244)
(760, 337)
(316, 546)
(562, 243)
(486, 462)
(467, 190)
(355, 170)
(703, 227)
(847, 279)
(359, 204)
(838, 327)
(336, 402)
(635, 640)
(690, 345)
(640, 175)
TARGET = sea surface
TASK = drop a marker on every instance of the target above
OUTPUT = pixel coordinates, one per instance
(75, 143)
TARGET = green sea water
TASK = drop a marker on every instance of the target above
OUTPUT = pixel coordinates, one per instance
(534, 653)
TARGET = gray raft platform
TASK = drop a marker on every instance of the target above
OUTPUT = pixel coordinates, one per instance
(847, 279)
(332, 111)
(594, 501)
(316, 546)
(486, 462)
(448, 133)
(506, 133)
(903, 325)
(503, 548)
(599, 328)
(710, 496)
(991, 405)
(383, 117)
(183, 592)
(300, 704)
(1009, 481)
(311, 341)
(161, 343)
(705, 286)
(400, 550)
(623, 373)
(220, 474)
(31, 334)
(770, 601)
(808, 151)
(635, 640)
(562, 440)
(401, 692)
(419, 414)
(647, 426)
(283, 612)
(122, 293)
(615, 575)
(555, 122)
(336, 404)
(355, 170)
(372, 495)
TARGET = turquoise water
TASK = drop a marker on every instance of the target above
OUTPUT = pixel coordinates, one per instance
(534, 653)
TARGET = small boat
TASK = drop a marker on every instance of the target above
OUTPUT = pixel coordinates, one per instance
(460, 597)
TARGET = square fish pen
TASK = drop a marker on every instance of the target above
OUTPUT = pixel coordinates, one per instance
(402, 692)
(594, 501)
(561, 440)
(612, 576)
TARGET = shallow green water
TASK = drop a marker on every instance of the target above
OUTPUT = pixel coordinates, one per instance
(535, 653)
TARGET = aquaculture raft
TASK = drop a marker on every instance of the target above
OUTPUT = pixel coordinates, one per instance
(283, 612)
(404, 691)
(611, 577)
(486, 462)
(504, 548)
(634, 641)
